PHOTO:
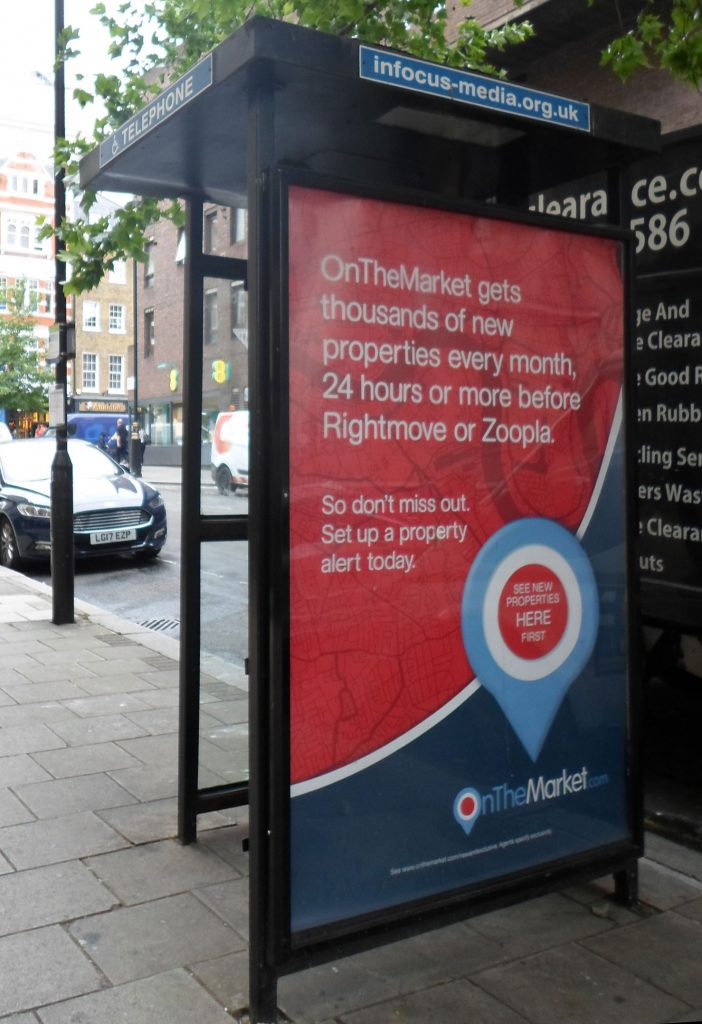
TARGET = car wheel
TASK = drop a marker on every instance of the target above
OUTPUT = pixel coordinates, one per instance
(223, 480)
(9, 552)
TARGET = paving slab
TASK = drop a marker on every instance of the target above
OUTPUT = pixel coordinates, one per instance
(538, 924)
(227, 978)
(17, 769)
(680, 858)
(149, 782)
(106, 704)
(160, 869)
(457, 1002)
(12, 812)
(153, 749)
(105, 685)
(85, 760)
(331, 990)
(145, 823)
(50, 895)
(456, 952)
(174, 997)
(663, 888)
(51, 840)
(82, 731)
(644, 950)
(230, 901)
(156, 720)
(71, 796)
(137, 942)
(693, 910)
(44, 711)
(64, 972)
(573, 984)
(28, 739)
(43, 692)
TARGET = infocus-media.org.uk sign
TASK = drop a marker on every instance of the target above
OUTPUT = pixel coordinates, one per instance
(405, 72)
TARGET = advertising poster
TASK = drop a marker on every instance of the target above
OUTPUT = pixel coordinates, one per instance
(457, 661)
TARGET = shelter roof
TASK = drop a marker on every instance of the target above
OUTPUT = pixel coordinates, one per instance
(330, 119)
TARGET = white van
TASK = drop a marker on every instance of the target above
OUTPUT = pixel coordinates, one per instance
(230, 451)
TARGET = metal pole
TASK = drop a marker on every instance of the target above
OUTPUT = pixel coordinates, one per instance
(62, 568)
(135, 448)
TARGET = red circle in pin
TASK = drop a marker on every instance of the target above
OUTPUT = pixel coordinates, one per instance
(467, 806)
(532, 611)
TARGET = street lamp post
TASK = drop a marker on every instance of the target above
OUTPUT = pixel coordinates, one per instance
(62, 554)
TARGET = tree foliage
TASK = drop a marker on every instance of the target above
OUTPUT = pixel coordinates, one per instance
(180, 32)
(24, 383)
(666, 36)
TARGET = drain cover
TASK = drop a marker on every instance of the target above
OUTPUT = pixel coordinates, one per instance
(162, 625)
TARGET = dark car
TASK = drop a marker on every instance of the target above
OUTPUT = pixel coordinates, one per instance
(113, 512)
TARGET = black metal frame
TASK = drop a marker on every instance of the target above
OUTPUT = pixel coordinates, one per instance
(274, 950)
(197, 528)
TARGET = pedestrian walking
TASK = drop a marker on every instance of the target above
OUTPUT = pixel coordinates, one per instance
(121, 439)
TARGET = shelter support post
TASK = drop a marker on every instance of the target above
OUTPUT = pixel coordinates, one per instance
(188, 753)
(262, 972)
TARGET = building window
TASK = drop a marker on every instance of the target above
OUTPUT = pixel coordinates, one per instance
(149, 333)
(23, 185)
(149, 265)
(3, 294)
(90, 371)
(115, 375)
(31, 295)
(116, 318)
(211, 318)
(208, 235)
(240, 305)
(91, 316)
(118, 274)
(237, 224)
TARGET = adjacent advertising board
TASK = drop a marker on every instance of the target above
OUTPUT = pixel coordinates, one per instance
(457, 553)
(663, 208)
(665, 214)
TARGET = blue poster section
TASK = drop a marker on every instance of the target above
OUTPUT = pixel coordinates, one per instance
(465, 802)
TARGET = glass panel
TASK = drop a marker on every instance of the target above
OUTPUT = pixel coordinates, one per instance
(224, 733)
(225, 391)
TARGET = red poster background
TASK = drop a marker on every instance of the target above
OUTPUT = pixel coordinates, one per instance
(372, 654)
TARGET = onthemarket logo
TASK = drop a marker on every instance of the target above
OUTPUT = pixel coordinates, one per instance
(469, 804)
(467, 87)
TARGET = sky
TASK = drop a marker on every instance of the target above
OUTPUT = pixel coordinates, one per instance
(26, 71)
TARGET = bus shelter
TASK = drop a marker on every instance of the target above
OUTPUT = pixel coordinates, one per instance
(443, 709)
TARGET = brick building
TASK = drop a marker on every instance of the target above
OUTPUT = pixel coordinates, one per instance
(564, 57)
(104, 337)
(27, 270)
(159, 365)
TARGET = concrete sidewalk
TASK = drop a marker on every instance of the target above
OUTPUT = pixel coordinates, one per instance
(105, 918)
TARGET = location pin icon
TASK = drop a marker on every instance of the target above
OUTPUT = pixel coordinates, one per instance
(529, 617)
(466, 809)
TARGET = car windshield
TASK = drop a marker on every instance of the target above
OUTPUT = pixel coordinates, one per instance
(30, 461)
